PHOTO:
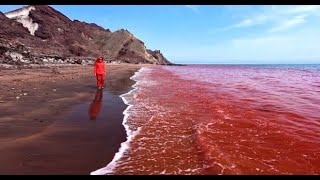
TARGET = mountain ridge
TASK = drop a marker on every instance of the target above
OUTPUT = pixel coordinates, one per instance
(40, 34)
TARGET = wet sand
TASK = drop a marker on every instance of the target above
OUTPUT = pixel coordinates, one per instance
(51, 129)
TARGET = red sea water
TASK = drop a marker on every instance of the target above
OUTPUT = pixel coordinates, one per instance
(222, 119)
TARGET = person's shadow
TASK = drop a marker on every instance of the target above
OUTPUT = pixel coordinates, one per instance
(95, 106)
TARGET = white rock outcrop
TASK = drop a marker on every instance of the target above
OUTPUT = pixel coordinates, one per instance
(22, 16)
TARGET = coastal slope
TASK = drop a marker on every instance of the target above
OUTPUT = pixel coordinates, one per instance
(40, 34)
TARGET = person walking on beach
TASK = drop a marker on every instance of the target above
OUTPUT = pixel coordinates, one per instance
(100, 72)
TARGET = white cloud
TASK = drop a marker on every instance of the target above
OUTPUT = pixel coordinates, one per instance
(251, 21)
(245, 23)
(265, 44)
(289, 23)
(280, 17)
(300, 45)
(194, 8)
(300, 9)
(295, 47)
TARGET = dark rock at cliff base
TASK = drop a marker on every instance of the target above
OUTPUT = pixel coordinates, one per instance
(40, 34)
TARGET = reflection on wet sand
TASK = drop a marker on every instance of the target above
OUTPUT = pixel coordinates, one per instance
(95, 106)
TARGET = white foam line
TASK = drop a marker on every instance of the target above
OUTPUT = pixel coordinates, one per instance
(130, 134)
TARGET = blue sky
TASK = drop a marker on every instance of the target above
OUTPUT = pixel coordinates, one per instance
(213, 34)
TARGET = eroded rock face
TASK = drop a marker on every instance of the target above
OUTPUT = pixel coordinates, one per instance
(43, 35)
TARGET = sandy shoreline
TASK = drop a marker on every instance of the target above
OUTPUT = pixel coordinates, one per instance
(49, 121)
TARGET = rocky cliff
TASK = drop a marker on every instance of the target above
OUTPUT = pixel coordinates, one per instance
(40, 34)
